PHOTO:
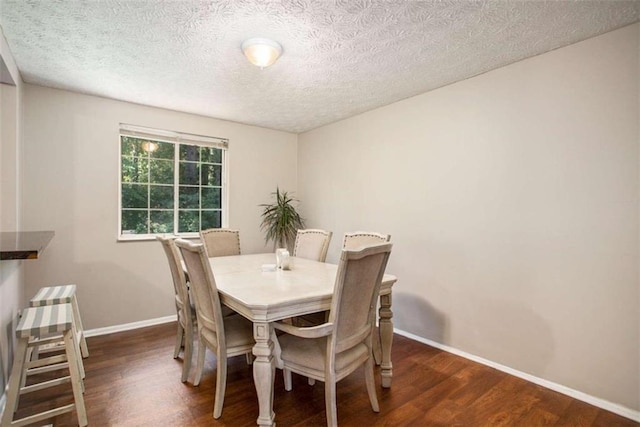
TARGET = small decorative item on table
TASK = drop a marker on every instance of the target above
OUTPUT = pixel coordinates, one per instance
(283, 259)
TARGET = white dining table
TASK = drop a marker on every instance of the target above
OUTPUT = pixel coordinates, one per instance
(264, 296)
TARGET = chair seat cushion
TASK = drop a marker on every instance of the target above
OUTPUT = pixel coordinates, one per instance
(238, 332)
(38, 321)
(61, 294)
(311, 319)
(311, 353)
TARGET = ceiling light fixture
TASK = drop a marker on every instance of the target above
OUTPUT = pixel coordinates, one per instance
(261, 52)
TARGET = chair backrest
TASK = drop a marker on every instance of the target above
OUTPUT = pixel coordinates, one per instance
(177, 274)
(355, 295)
(203, 289)
(312, 244)
(221, 241)
(357, 239)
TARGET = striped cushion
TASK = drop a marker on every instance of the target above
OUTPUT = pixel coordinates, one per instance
(36, 321)
(53, 295)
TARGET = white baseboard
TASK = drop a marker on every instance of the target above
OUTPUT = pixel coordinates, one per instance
(595, 401)
(129, 326)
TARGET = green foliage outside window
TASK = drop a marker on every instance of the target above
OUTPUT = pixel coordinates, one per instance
(169, 189)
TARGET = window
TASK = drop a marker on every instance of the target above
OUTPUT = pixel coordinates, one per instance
(170, 183)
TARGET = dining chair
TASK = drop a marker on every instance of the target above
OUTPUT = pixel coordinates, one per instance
(331, 351)
(184, 306)
(225, 336)
(221, 241)
(356, 239)
(312, 244)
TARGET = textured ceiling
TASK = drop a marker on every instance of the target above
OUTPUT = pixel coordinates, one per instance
(340, 57)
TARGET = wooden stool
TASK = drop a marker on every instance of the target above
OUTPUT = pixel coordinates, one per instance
(63, 294)
(36, 322)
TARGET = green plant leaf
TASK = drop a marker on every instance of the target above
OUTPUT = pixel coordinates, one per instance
(280, 220)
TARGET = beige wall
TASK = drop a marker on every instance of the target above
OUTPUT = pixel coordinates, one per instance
(71, 186)
(512, 200)
(11, 277)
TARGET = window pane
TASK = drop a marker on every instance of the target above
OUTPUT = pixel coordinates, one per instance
(161, 222)
(189, 173)
(135, 169)
(210, 155)
(135, 196)
(134, 222)
(211, 219)
(165, 150)
(190, 153)
(161, 171)
(188, 221)
(211, 198)
(131, 146)
(161, 197)
(189, 198)
(211, 174)
(149, 200)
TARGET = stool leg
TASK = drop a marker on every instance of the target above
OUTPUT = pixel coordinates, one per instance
(14, 383)
(30, 355)
(76, 380)
(80, 329)
(79, 361)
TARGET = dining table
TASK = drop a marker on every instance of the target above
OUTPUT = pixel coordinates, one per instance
(253, 286)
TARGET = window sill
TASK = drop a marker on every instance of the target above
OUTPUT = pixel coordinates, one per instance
(124, 238)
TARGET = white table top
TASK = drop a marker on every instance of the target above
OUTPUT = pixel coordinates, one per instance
(265, 296)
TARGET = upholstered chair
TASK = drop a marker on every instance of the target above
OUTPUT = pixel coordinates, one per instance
(312, 244)
(356, 239)
(221, 241)
(184, 306)
(225, 336)
(331, 351)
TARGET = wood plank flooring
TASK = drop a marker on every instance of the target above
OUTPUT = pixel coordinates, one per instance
(133, 380)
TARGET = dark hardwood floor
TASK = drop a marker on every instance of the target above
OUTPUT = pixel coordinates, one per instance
(133, 380)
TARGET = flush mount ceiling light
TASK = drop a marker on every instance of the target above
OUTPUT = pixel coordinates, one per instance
(261, 52)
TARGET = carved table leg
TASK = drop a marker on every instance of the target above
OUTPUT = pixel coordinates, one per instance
(386, 338)
(263, 373)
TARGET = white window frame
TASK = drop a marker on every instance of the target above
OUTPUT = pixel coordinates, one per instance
(175, 138)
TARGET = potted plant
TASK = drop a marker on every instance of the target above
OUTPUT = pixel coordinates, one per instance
(280, 220)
